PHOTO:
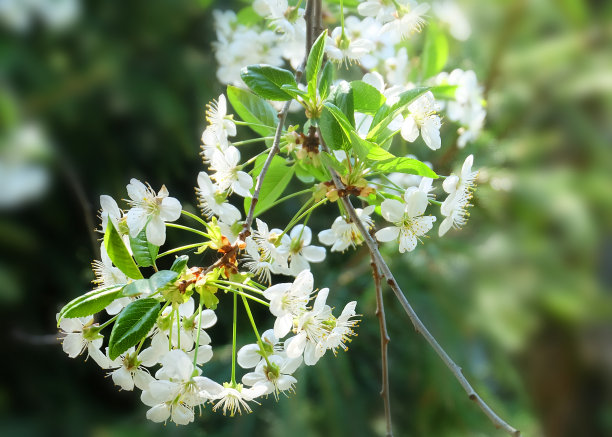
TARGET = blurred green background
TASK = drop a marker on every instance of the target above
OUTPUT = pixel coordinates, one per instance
(521, 298)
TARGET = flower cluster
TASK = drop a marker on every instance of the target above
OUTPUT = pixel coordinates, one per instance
(160, 342)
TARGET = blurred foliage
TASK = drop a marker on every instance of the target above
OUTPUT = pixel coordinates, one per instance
(520, 297)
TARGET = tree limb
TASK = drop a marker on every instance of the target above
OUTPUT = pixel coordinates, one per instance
(412, 315)
(384, 342)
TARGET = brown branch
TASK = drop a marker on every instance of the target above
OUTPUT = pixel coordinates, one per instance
(384, 342)
(420, 328)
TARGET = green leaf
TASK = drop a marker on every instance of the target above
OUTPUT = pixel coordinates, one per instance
(332, 133)
(404, 165)
(157, 281)
(276, 180)
(119, 254)
(330, 161)
(367, 99)
(361, 147)
(253, 109)
(327, 77)
(90, 303)
(407, 97)
(180, 264)
(294, 91)
(307, 173)
(444, 92)
(132, 325)
(209, 299)
(340, 117)
(343, 98)
(144, 252)
(435, 51)
(379, 154)
(315, 59)
(385, 115)
(247, 16)
(267, 81)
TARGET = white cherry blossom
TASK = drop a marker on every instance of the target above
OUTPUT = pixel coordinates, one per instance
(459, 189)
(130, 369)
(348, 46)
(449, 13)
(220, 122)
(151, 210)
(422, 116)
(408, 219)
(287, 300)
(233, 398)
(275, 376)
(251, 354)
(344, 233)
(228, 174)
(175, 391)
(407, 19)
(301, 253)
(80, 334)
(213, 200)
(312, 330)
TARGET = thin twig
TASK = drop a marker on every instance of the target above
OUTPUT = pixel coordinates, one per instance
(414, 318)
(282, 115)
(384, 342)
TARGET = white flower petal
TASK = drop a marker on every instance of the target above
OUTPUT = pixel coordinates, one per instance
(392, 210)
(170, 209)
(387, 234)
(156, 231)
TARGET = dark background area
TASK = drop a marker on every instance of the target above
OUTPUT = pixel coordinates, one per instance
(520, 297)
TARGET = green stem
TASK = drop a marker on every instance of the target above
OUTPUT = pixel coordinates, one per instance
(234, 341)
(170, 331)
(246, 123)
(298, 218)
(187, 228)
(435, 202)
(253, 140)
(257, 285)
(178, 249)
(178, 328)
(342, 16)
(239, 285)
(195, 354)
(140, 346)
(302, 208)
(196, 218)
(259, 342)
(251, 160)
(256, 299)
(108, 322)
(281, 200)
